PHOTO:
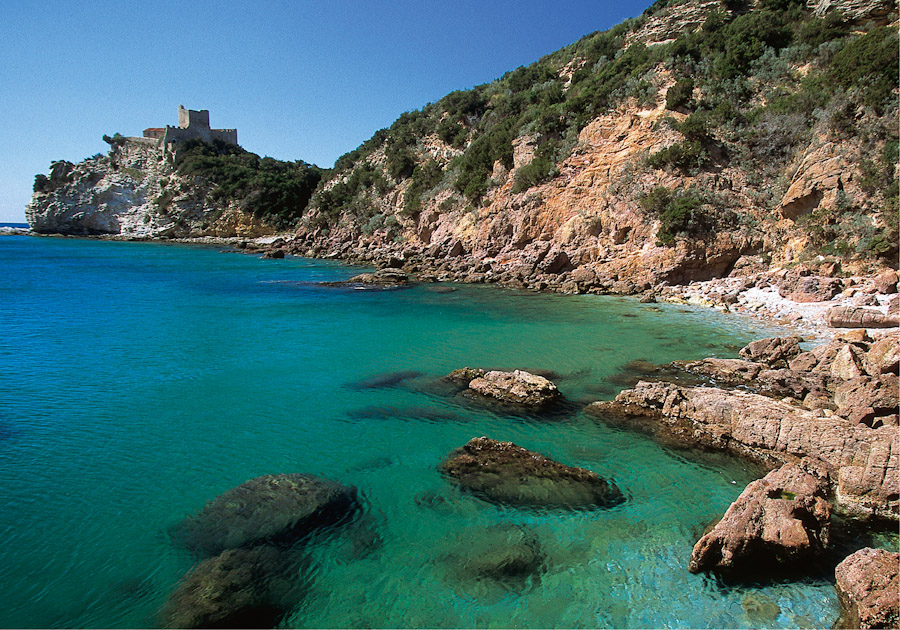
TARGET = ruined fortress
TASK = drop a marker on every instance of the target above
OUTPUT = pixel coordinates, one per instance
(191, 124)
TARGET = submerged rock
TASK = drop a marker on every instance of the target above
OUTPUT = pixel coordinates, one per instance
(868, 587)
(777, 521)
(239, 588)
(506, 473)
(502, 552)
(517, 387)
(389, 379)
(279, 508)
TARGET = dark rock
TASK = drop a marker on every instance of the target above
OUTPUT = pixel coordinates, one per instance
(774, 351)
(276, 508)
(382, 277)
(517, 387)
(867, 585)
(274, 253)
(505, 473)
(388, 379)
(856, 317)
(456, 250)
(777, 523)
(240, 588)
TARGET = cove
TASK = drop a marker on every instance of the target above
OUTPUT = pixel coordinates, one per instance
(141, 380)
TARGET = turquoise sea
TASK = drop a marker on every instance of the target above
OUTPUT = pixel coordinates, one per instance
(140, 380)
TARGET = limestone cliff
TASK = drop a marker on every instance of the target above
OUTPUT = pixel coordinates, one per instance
(135, 191)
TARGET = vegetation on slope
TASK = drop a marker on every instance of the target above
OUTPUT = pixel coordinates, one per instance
(270, 189)
(758, 85)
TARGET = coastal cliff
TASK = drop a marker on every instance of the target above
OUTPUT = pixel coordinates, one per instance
(145, 189)
(134, 191)
(699, 138)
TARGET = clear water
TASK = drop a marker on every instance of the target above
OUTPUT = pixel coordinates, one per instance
(139, 381)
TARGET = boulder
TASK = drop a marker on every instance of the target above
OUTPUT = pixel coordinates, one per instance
(505, 473)
(883, 356)
(867, 585)
(240, 588)
(517, 387)
(857, 317)
(862, 462)
(810, 288)
(886, 282)
(776, 522)
(847, 363)
(774, 351)
(276, 508)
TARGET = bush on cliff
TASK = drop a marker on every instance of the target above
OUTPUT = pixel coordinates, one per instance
(270, 189)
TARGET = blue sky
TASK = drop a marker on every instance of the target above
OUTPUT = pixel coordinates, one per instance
(299, 80)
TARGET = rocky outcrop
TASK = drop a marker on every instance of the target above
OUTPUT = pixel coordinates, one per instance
(505, 473)
(134, 192)
(817, 179)
(388, 277)
(868, 587)
(857, 317)
(240, 588)
(855, 10)
(271, 508)
(517, 388)
(776, 522)
(860, 462)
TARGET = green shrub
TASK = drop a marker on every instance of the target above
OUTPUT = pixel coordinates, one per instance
(680, 214)
(680, 95)
(869, 64)
(685, 155)
(536, 172)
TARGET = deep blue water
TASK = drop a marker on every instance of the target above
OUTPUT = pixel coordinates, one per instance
(140, 380)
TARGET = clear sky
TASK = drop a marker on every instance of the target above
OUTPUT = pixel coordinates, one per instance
(298, 79)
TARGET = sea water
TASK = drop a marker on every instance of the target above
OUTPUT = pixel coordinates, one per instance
(139, 381)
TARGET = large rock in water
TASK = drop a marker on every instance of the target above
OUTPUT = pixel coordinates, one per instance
(778, 520)
(269, 508)
(518, 388)
(506, 473)
(240, 588)
(861, 462)
(867, 585)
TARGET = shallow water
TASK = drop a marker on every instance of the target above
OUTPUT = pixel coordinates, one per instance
(140, 380)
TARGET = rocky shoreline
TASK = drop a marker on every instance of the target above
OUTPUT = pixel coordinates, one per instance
(810, 297)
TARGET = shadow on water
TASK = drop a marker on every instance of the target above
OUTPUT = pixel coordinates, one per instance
(385, 412)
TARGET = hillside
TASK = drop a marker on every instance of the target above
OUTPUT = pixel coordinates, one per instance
(673, 147)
